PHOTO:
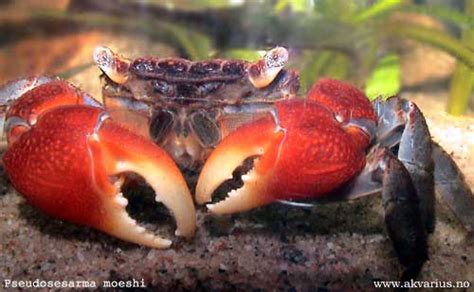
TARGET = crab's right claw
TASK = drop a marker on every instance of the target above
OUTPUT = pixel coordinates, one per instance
(68, 161)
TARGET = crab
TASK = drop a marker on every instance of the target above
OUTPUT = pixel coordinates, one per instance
(68, 154)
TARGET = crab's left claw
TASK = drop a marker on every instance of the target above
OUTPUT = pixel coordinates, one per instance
(301, 152)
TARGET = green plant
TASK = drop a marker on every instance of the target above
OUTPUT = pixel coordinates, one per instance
(462, 82)
(383, 68)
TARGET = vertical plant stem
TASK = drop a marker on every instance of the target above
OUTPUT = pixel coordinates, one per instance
(462, 82)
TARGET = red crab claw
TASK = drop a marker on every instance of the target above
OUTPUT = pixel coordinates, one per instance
(306, 149)
(67, 158)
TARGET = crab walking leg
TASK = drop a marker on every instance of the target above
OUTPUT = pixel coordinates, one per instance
(402, 123)
(402, 212)
(415, 153)
(385, 174)
(453, 188)
(63, 158)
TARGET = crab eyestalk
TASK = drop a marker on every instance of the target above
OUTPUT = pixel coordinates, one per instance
(264, 71)
(67, 158)
(113, 65)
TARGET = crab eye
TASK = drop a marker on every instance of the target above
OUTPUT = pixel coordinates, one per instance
(205, 129)
(264, 71)
(161, 124)
(114, 66)
(407, 106)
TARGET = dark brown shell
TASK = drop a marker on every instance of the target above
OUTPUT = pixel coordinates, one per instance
(176, 70)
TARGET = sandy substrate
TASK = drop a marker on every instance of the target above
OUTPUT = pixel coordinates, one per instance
(273, 248)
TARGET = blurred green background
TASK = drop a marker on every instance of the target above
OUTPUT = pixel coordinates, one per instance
(382, 46)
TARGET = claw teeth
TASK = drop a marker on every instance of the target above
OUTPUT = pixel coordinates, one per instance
(210, 206)
(121, 200)
(246, 178)
(120, 224)
(232, 193)
(249, 196)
